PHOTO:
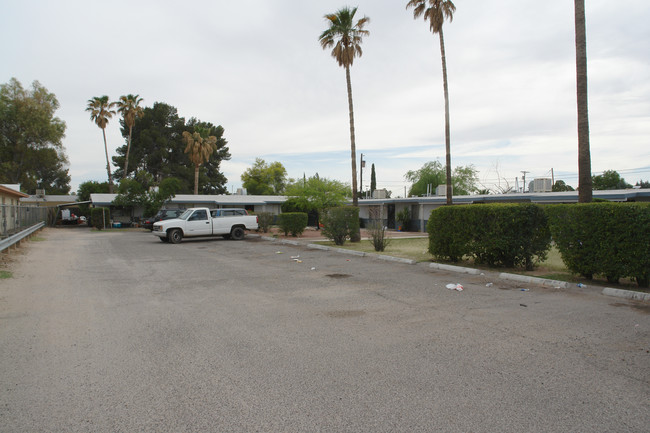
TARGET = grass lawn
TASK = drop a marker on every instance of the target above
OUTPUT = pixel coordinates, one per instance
(415, 249)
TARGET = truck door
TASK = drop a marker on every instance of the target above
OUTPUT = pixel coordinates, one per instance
(198, 224)
(222, 222)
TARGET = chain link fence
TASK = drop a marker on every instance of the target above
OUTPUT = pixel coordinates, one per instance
(15, 218)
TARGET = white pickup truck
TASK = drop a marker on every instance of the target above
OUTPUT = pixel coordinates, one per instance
(201, 221)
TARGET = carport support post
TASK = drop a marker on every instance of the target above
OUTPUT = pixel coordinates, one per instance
(422, 228)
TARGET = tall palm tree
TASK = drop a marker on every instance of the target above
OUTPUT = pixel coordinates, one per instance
(199, 148)
(436, 12)
(101, 110)
(346, 37)
(584, 154)
(129, 107)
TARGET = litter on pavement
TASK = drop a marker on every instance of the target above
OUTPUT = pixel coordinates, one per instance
(456, 286)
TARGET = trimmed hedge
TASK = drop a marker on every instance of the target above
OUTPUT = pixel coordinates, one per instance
(264, 220)
(506, 235)
(292, 222)
(96, 219)
(610, 239)
(340, 223)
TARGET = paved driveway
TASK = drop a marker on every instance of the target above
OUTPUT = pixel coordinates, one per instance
(118, 331)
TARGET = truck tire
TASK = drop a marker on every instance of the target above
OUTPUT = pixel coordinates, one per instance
(175, 236)
(237, 233)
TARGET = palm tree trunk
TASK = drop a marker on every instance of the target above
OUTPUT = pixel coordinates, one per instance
(196, 180)
(447, 132)
(354, 237)
(108, 165)
(128, 150)
(353, 147)
(584, 153)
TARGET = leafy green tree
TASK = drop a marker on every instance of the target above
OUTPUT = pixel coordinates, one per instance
(101, 110)
(265, 179)
(373, 180)
(156, 197)
(560, 186)
(158, 148)
(156, 145)
(643, 184)
(436, 12)
(129, 107)
(346, 36)
(585, 185)
(31, 149)
(610, 179)
(87, 188)
(316, 194)
(91, 187)
(130, 193)
(464, 179)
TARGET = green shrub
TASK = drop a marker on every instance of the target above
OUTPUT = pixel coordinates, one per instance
(340, 223)
(378, 235)
(292, 222)
(264, 220)
(404, 218)
(505, 235)
(100, 217)
(609, 239)
(450, 233)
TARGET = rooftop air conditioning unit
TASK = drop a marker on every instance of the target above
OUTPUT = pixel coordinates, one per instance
(442, 190)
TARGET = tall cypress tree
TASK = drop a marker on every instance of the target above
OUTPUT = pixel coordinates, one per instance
(373, 180)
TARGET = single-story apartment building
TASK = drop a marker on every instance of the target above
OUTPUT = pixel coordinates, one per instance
(385, 209)
(253, 203)
(420, 207)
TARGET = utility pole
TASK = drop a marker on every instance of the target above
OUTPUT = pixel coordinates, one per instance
(523, 189)
(552, 178)
(363, 164)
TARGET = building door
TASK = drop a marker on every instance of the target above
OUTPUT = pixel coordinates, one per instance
(391, 216)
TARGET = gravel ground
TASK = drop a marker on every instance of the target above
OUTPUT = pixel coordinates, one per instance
(119, 332)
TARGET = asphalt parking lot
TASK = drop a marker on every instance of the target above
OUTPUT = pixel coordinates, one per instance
(117, 331)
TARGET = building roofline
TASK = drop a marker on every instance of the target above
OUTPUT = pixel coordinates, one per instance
(11, 191)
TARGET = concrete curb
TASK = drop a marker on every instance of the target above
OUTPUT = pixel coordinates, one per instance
(350, 252)
(627, 294)
(318, 247)
(280, 241)
(534, 280)
(393, 259)
(452, 268)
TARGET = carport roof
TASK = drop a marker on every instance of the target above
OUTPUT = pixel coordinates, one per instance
(207, 200)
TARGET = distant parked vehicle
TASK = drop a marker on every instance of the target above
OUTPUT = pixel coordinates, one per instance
(162, 215)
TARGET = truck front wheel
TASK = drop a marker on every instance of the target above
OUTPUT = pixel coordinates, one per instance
(175, 236)
(237, 233)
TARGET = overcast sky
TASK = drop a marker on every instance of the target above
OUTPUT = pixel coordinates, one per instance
(257, 69)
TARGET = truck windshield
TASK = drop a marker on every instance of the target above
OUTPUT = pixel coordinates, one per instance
(185, 215)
